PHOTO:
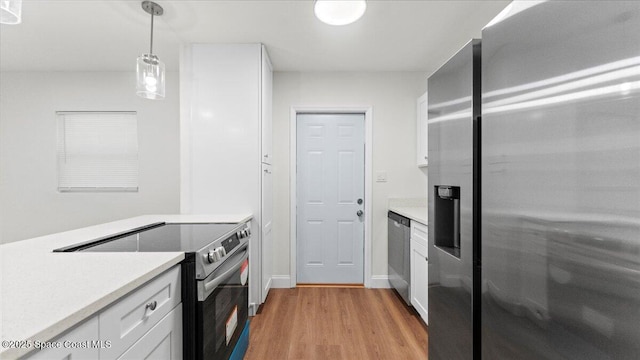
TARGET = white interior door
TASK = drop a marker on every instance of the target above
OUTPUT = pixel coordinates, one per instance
(330, 193)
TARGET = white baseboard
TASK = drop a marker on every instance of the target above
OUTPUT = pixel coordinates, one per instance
(280, 281)
(284, 282)
(380, 282)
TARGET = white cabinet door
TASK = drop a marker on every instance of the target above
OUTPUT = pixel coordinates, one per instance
(221, 131)
(419, 270)
(267, 225)
(421, 131)
(266, 108)
(419, 282)
(163, 341)
(86, 333)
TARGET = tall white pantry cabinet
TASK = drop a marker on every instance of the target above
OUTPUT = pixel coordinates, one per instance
(225, 144)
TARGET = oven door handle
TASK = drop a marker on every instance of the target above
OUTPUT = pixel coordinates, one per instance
(209, 286)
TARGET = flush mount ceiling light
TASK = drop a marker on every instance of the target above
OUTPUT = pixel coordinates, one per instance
(10, 12)
(150, 70)
(339, 12)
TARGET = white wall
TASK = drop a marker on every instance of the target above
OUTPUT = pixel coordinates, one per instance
(393, 97)
(30, 204)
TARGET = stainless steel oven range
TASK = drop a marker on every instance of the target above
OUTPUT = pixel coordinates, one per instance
(215, 285)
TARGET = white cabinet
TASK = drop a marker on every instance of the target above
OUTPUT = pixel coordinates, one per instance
(267, 226)
(163, 341)
(266, 99)
(422, 131)
(146, 323)
(86, 333)
(266, 208)
(133, 316)
(225, 137)
(419, 269)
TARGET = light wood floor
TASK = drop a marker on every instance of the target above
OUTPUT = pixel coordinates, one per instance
(336, 323)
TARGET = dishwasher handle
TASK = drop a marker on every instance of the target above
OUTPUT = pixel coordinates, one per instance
(398, 219)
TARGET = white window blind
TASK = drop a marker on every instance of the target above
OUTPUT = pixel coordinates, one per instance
(97, 151)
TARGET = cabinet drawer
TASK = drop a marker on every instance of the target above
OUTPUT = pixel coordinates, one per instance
(163, 341)
(129, 319)
(419, 233)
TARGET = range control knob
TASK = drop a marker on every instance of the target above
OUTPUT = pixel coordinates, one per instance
(248, 231)
(222, 251)
(239, 234)
(215, 255)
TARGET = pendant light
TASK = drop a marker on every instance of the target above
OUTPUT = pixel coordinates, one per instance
(150, 70)
(339, 12)
(10, 12)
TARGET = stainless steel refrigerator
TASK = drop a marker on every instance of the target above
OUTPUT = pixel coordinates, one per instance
(453, 109)
(557, 163)
(560, 192)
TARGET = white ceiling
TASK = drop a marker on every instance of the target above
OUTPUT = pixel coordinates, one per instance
(99, 35)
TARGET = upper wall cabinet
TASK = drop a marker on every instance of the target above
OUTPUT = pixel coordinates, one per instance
(421, 131)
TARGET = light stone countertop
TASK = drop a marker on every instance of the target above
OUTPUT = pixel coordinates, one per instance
(415, 213)
(43, 293)
(413, 208)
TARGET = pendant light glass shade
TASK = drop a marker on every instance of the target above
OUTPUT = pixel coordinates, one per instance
(10, 12)
(339, 12)
(150, 77)
(149, 69)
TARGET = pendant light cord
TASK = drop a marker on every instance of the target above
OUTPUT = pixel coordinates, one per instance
(151, 42)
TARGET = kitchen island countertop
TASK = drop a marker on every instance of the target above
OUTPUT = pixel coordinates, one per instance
(43, 293)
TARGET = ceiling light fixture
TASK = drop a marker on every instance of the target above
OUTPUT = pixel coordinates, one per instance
(150, 70)
(339, 12)
(10, 12)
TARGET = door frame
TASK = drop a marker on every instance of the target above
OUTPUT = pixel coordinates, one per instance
(367, 111)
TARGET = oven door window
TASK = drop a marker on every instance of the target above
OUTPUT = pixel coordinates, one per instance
(223, 315)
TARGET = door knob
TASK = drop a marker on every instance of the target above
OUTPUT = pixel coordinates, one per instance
(359, 213)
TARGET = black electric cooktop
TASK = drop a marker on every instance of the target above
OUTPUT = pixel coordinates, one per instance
(159, 237)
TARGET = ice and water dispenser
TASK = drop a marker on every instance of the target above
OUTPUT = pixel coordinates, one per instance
(447, 218)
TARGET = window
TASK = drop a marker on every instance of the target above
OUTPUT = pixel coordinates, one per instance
(97, 151)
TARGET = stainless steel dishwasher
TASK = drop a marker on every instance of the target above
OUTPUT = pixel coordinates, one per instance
(399, 267)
